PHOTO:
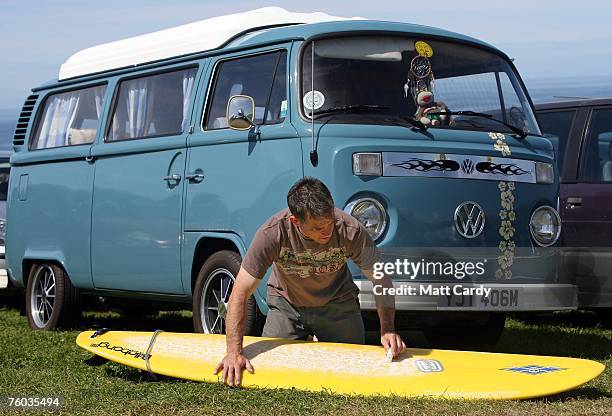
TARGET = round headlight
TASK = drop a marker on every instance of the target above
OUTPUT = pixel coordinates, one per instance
(371, 214)
(545, 226)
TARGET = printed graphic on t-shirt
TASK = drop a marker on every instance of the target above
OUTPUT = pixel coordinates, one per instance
(309, 263)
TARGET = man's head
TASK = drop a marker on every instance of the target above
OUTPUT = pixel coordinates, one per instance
(312, 209)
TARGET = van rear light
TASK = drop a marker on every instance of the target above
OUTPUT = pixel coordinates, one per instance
(367, 164)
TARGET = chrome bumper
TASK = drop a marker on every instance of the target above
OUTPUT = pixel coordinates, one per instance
(451, 297)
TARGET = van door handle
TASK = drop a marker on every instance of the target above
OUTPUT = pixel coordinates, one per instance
(195, 177)
(173, 178)
(573, 202)
(90, 159)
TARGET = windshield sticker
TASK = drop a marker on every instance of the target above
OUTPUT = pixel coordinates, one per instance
(319, 100)
(423, 49)
(283, 109)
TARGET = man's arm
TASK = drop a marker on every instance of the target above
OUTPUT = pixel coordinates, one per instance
(385, 306)
(234, 361)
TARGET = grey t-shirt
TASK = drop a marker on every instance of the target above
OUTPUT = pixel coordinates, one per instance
(305, 272)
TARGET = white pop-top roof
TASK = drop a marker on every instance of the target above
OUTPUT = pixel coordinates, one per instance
(193, 37)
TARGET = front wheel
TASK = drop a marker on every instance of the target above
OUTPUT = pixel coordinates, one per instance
(605, 316)
(51, 300)
(211, 295)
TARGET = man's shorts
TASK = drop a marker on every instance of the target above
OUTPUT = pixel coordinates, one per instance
(334, 322)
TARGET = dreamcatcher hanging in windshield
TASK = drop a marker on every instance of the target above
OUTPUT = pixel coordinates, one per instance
(419, 86)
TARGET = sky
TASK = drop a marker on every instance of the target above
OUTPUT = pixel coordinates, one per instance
(546, 38)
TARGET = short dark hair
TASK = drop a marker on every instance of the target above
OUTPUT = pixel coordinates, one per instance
(310, 196)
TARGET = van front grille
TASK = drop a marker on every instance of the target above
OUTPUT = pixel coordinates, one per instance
(24, 120)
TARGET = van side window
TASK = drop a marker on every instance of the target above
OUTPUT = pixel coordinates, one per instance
(596, 163)
(69, 118)
(5, 170)
(558, 123)
(251, 76)
(155, 105)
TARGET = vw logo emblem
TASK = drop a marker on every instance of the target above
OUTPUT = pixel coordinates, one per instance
(467, 166)
(469, 219)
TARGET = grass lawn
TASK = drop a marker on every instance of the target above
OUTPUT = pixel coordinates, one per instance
(50, 364)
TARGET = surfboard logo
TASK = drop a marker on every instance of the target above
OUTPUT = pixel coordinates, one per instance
(533, 370)
(120, 349)
(429, 366)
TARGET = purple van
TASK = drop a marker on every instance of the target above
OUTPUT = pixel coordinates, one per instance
(584, 131)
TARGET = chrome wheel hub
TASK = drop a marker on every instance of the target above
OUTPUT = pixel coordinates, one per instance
(214, 301)
(42, 298)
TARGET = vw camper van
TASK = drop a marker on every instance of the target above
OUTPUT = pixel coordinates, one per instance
(144, 171)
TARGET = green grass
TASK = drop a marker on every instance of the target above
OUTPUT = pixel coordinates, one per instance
(50, 363)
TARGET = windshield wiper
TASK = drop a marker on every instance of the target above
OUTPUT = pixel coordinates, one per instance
(520, 132)
(353, 108)
(413, 121)
(367, 108)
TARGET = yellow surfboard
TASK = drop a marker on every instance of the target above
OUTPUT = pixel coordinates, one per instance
(348, 369)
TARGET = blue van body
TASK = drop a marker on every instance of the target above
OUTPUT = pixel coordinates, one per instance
(112, 217)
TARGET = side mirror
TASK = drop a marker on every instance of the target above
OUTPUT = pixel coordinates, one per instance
(240, 112)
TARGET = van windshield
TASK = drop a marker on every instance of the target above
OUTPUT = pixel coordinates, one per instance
(382, 79)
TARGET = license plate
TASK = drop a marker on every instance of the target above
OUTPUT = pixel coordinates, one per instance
(497, 298)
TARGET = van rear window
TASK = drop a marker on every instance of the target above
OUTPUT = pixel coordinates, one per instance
(155, 105)
(70, 118)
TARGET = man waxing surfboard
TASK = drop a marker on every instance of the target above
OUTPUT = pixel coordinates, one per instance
(311, 290)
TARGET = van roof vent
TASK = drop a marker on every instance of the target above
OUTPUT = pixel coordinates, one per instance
(24, 120)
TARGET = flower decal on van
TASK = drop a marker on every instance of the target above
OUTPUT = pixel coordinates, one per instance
(507, 201)
(506, 230)
(500, 143)
(507, 216)
(503, 147)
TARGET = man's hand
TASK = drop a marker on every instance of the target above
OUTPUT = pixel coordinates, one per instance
(234, 361)
(385, 305)
(233, 365)
(392, 341)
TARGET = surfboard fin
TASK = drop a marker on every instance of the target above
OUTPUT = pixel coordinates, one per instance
(99, 332)
(96, 361)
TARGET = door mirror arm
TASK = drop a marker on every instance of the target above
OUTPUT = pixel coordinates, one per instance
(240, 114)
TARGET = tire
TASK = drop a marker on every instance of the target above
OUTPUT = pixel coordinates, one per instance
(58, 306)
(463, 337)
(215, 281)
(605, 316)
